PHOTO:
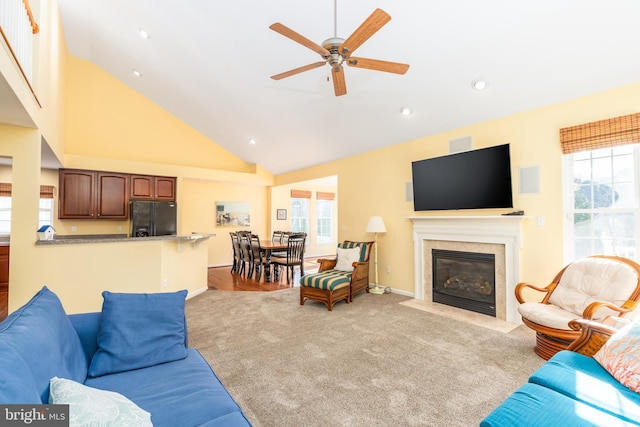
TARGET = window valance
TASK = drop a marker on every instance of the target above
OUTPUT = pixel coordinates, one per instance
(601, 134)
(300, 194)
(324, 195)
(46, 191)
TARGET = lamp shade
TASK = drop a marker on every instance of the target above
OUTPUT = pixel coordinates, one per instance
(376, 225)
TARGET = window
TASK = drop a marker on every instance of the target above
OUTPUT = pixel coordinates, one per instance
(45, 215)
(5, 215)
(324, 220)
(300, 215)
(602, 202)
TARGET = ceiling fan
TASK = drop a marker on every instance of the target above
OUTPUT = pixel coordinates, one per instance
(336, 51)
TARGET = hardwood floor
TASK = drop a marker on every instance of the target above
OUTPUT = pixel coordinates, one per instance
(221, 278)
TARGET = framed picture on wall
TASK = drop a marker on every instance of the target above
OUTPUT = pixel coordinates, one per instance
(232, 214)
(281, 214)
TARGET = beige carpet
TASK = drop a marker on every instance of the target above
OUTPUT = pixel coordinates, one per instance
(374, 362)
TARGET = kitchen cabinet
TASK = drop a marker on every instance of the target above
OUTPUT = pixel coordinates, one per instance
(4, 281)
(88, 194)
(147, 187)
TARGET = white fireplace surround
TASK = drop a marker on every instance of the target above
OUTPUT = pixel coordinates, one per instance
(497, 230)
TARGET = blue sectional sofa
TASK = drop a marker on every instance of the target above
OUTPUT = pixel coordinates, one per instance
(162, 380)
(571, 389)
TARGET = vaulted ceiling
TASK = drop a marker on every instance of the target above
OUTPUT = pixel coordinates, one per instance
(209, 63)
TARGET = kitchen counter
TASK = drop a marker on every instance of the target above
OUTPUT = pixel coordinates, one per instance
(111, 238)
(81, 267)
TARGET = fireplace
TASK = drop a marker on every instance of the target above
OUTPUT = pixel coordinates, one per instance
(464, 280)
(498, 235)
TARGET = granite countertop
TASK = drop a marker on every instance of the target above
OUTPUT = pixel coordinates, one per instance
(110, 238)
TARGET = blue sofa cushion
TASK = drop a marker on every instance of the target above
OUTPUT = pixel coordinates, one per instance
(181, 393)
(40, 334)
(582, 378)
(535, 405)
(139, 330)
(17, 384)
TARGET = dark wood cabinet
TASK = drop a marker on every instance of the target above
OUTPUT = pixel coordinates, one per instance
(112, 195)
(4, 281)
(93, 195)
(147, 187)
(77, 194)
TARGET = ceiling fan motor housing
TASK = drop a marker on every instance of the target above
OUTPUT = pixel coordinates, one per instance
(335, 59)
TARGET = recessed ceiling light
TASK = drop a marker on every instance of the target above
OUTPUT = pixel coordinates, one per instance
(405, 111)
(252, 141)
(479, 84)
(137, 73)
(143, 33)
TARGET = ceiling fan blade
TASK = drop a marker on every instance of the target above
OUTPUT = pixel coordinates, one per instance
(297, 70)
(298, 38)
(339, 85)
(373, 23)
(376, 64)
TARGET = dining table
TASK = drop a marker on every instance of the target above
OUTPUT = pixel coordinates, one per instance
(269, 246)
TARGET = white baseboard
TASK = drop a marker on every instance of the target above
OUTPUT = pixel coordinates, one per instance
(393, 290)
(197, 292)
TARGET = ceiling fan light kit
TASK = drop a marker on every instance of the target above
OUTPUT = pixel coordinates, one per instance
(336, 51)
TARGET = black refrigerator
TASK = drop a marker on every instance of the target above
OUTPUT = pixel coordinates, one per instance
(153, 218)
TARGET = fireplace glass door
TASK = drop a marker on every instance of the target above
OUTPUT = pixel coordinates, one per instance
(465, 280)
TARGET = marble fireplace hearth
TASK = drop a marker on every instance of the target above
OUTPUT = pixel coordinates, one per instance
(498, 235)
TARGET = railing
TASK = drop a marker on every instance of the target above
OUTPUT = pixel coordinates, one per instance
(17, 27)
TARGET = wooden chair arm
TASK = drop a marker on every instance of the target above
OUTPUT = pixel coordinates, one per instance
(360, 271)
(326, 264)
(591, 309)
(522, 285)
(593, 336)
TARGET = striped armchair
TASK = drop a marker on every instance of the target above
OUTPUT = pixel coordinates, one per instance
(341, 278)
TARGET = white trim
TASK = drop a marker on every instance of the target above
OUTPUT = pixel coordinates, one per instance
(197, 292)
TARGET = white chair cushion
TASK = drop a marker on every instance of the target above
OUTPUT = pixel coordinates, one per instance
(546, 315)
(593, 279)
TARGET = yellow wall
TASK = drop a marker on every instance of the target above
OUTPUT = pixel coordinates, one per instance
(110, 120)
(533, 136)
(199, 212)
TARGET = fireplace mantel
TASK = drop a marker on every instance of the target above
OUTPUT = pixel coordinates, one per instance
(500, 229)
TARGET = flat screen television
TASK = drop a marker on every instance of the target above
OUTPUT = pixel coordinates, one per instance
(476, 179)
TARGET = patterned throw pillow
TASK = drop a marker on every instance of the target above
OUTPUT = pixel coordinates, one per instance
(90, 406)
(620, 356)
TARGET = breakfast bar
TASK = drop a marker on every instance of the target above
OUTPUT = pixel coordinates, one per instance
(118, 263)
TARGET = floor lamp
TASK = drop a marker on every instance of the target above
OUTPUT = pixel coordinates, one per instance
(375, 226)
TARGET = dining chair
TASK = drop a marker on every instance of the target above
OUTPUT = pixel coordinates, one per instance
(235, 245)
(244, 238)
(280, 237)
(276, 237)
(294, 256)
(257, 255)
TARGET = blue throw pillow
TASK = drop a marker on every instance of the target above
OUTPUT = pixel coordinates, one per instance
(39, 334)
(140, 330)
